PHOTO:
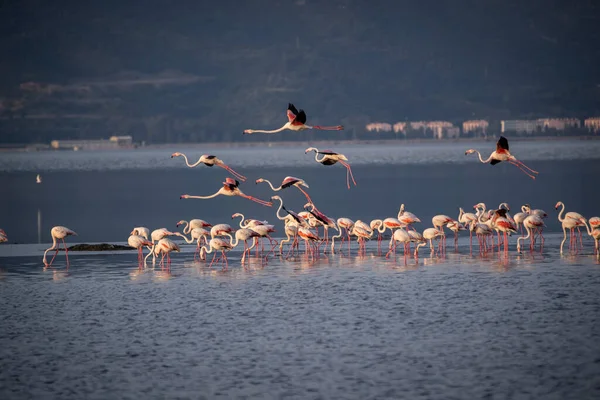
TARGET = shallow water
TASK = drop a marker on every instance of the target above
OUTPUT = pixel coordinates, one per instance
(459, 325)
(451, 326)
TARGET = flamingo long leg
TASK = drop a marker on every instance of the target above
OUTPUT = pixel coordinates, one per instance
(67, 251)
(523, 165)
(305, 194)
(259, 201)
(328, 128)
(524, 171)
(232, 172)
(348, 173)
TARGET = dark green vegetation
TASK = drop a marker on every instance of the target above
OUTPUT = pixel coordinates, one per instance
(99, 247)
(205, 70)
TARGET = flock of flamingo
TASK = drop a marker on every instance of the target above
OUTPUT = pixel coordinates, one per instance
(304, 225)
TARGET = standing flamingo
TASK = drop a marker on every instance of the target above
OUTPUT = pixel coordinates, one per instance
(217, 244)
(343, 223)
(210, 161)
(58, 233)
(164, 246)
(245, 234)
(502, 154)
(330, 158)
(138, 242)
(399, 235)
(570, 221)
(531, 223)
(289, 181)
(432, 233)
(323, 219)
(296, 122)
(406, 217)
(197, 235)
(230, 188)
(248, 223)
(142, 231)
(193, 223)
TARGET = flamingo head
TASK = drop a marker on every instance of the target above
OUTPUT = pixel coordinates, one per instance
(470, 151)
(276, 198)
(134, 232)
(236, 215)
(308, 205)
(560, 203)
(478, 205)
(259, 180)
(184, 196)
(311, 149)
(248, 131)
(176, 154)
(180, 223)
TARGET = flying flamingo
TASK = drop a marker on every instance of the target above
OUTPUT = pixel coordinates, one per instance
(230, 188)
(571, 219)
(330, 158)
(296, 122)
(289, 181)
(58, 233)
(217, 244)
(138, 242)
(502, 154)
(210, 161)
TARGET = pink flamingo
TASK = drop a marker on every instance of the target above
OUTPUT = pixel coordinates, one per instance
(138, 242)
(164, 246)
(330, 158)
(502, 224)
(142, 231)
(502, 154)
(193, 223)
(245, 234)
(230, 188)
(343, 223)
(323, 219)
(531, 223)
(263, 231)
(287, 182)
(400, 235)
(308, 236)
(210, 161)
(58, 233)
(296, 122)
(3, 236)
(198, 235)
(217, 244)
(570, 221)
(248, 223)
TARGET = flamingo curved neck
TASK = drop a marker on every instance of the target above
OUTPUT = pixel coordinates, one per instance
(187, 162)
(560, 213)
(272, 187)
(279, 209)
(242, 220)
(523, 237)
(205, 197)
(185, 237)
(481, 159)
(54, 245)
(187, 228)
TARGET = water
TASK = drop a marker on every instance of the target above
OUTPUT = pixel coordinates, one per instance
(453, 326)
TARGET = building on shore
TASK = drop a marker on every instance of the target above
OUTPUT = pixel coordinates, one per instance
(539, 125)
(114, 142)
(476, 127)
(592, 124)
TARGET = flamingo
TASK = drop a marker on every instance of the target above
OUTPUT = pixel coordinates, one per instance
(230, 188)
(38, 179)
(382, 226)
(248, 223)
(432, 233)
(482, 231)
(221, 230)
(363, 232)
(323, 219)
(594, 222)
(156, 236)
(532, 222)
(504, 225)
(342, 223)
(164, 246)
(308, 236)
(400, 235)
(217, 244)
(193, 223)
(292, 217)
(58, 233)
(210, 161)
(520, 217)
(595, 234)
(570, 221)
(330, 158)
(439, 221)
(502, 154)
(455, 226)
(407, 217)
(296, 122)
(196, 234)
(245, 234)
(290, 232)
(287, 182)
(3, 236)
(142, 231)
(263, 231)
(138, 242)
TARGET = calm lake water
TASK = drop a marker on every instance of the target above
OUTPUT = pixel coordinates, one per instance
(459, 325)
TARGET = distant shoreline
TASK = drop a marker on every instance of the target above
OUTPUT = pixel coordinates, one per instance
(37, 146)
